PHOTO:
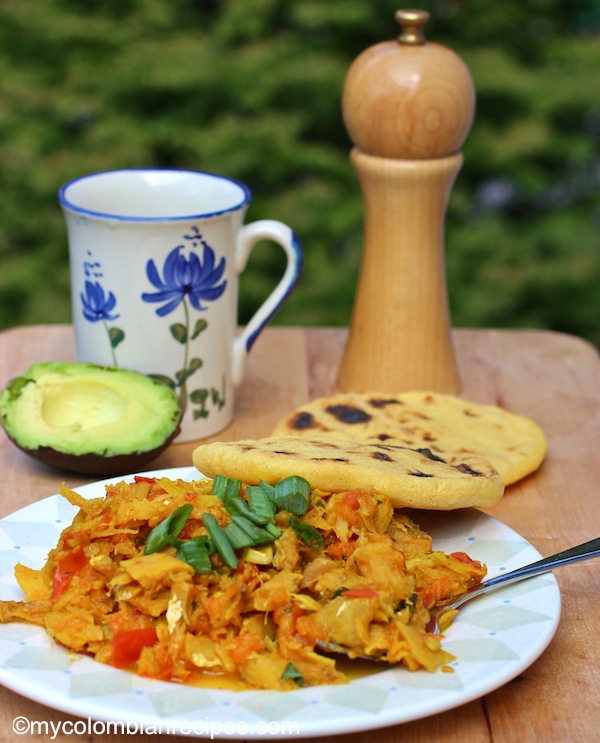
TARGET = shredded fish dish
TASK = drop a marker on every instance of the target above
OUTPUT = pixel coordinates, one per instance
(173, 579)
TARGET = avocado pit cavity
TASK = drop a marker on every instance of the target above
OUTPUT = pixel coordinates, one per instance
(80, 405)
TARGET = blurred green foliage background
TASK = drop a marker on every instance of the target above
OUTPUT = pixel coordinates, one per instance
(251, 89)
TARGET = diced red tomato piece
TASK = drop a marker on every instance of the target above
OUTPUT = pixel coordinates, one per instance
(66, 568)
(243, 646)
(351, 500)
(336, 550)
(463, 557)
(128, 644)
(359, 593)
(141, 478)
(190, 526)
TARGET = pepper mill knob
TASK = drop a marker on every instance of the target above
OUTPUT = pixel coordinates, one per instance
(408, 98)
(408, 105)
(411, 23)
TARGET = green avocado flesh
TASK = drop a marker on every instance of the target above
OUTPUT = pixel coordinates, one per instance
(88, 418)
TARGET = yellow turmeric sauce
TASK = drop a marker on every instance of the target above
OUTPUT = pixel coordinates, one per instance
(352, 669)
(207, 680)
(368, 584)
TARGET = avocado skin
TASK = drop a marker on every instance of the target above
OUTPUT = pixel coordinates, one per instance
(140, 395)
(96, 464)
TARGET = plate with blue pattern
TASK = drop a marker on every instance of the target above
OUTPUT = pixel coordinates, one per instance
(494, 638)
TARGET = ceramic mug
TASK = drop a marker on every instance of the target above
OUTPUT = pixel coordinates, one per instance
(155, 257)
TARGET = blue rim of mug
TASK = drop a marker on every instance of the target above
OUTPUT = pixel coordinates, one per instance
(64, 201)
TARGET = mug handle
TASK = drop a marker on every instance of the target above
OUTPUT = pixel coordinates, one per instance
(249, 235)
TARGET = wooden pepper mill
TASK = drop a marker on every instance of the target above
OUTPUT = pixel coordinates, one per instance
(408, 106)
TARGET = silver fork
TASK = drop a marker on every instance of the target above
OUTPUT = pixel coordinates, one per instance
(574, 554)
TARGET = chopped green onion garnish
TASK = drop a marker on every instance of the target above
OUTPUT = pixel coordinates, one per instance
(257, 534)
(273, 530)
(237, 537)
(168, 530)
(196, 553)
(240, 507)
(219, 486)
(226, 487)
(260, 504)
(291, 672)
(220, 541)
(293, 495)
(251, 522)
(306, 532)
(268, 489)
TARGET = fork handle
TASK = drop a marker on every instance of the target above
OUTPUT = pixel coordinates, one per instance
(574, 554)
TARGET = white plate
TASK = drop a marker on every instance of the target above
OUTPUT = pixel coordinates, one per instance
(495, 638)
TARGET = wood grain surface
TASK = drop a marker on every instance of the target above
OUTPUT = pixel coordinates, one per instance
(403, 272)
(553, 378)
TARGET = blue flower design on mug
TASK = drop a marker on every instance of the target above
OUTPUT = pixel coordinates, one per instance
(188, 281)
(198, 280)
(98, 304)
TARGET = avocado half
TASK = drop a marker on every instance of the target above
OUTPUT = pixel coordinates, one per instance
(95, 420)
